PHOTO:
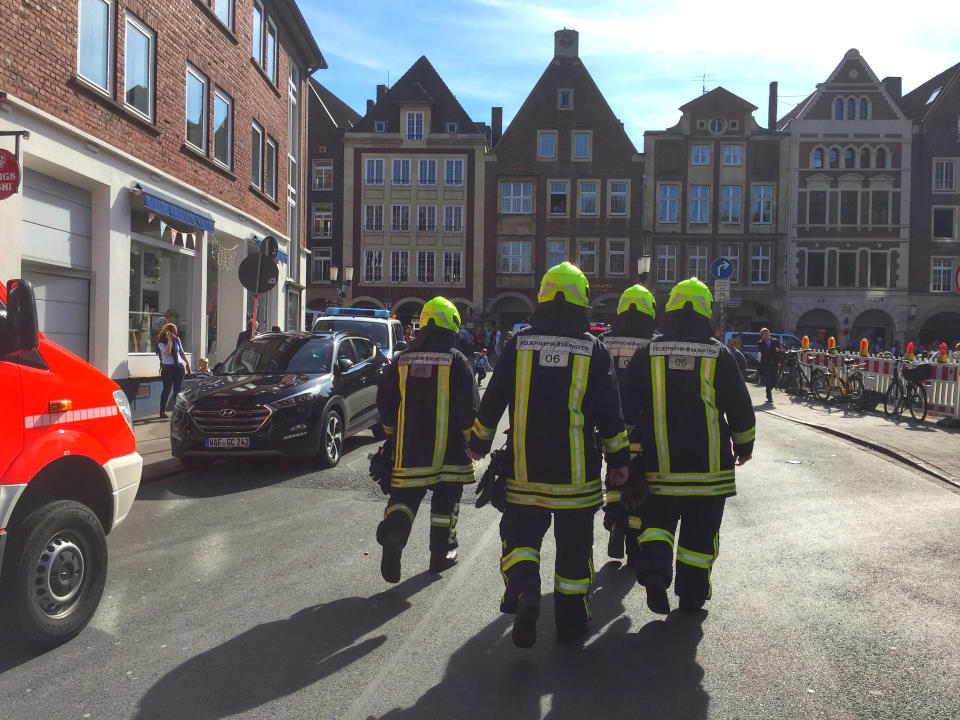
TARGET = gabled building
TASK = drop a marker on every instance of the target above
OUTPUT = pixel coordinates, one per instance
(851, 158)
(414, 181)
(716, 186)
(564, 183)
(329, 119)
(934, 309)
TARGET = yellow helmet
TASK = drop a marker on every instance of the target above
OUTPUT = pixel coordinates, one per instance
(638, 296)
(691, 291)
(442, 313)
(567, 279)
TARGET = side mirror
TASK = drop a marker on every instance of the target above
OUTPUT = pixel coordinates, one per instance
(400, 345)
(22, 333)
(344, 364)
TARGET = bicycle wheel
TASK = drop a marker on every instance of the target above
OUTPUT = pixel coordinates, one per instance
(854, 389)
(917, 396)
(891, 398)
(820, 385)
(789, 381)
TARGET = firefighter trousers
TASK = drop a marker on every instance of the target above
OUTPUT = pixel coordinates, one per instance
(444, 511)
(616, 521)
(697, 544)
(522, 529)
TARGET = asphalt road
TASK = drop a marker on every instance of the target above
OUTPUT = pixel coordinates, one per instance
(254, 591)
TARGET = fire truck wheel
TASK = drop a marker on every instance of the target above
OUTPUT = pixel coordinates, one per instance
(59, 567)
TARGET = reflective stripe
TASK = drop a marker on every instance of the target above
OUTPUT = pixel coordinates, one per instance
(443, 414)
(690, 557)
(742, 438)
(521, 554)
(412, 471)
(709, 396)
(617, 442)
(553, 489)
(571, 587)
(401, 507)
(521, 399)
(702, 490)
(690, 477)
(656, 534)
(578, 386)
(635, 522)
(613, 496)
(69, 416)
(401, 416)
(658, 376)
(388, 429)
(636, 448)
(555, 503)
(482, 431)
(440, 520)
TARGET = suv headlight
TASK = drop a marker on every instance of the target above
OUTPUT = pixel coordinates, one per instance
(123, 405)
(295, 400)
(182, 403)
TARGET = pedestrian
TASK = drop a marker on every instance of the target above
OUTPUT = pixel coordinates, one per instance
(632, 329)
(739, 357)
(696, 421)
(465, 342)
(427, 401)
(174, 365)
(561, 388)
(204, 371)
(275, 328)
(245, 334)
(483, 366)
(408, 334)
(771, 351)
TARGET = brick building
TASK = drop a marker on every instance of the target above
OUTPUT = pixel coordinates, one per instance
(564, 183)
(160, 138)
(716, 186)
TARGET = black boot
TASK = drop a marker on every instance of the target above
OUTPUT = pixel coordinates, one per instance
(525, 623)
(615, 544)
(441, 560)
(657, 599)
(390, 562)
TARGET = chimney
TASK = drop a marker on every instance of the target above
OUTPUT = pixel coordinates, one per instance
(894, 86)
(381, 91)
(566, 44)
(496, 124)
(772, 107)
(370, 105)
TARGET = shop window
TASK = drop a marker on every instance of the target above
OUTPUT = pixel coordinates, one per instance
(161, 291)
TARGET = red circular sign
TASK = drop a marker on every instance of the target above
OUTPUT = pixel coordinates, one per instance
(9, 174)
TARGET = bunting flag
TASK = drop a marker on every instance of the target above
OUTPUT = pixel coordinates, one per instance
(193, 240)
(150, 216)
(163, 229)
(173, 236)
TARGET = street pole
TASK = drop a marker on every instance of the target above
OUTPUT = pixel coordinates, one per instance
(256, 297)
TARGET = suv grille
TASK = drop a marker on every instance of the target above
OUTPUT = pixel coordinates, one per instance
(233, 421)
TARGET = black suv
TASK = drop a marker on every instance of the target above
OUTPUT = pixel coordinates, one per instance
(292, 394)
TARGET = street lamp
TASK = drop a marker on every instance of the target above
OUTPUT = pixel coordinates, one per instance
(347, 279)
(643, 267)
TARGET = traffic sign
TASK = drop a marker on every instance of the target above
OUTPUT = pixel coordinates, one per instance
(722, 268)
(721, 291)
(9, 174)
(268, 271)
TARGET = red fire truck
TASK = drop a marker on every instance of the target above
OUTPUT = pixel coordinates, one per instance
(69, 473)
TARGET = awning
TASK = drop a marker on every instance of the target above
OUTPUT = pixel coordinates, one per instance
(175, 209)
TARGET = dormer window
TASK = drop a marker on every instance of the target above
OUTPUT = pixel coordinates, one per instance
(414, 126)
(380, 126)
(453, 127)
(565, 99)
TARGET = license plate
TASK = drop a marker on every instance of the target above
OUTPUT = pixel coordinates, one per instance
(233, 443)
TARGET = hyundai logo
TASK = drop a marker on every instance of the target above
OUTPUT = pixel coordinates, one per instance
(227, 412)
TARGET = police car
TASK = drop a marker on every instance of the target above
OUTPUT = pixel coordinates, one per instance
(385, 331)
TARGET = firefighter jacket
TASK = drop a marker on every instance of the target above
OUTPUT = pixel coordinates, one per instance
(427, 401)
(692, 413)
(561, 389)
(622, 349)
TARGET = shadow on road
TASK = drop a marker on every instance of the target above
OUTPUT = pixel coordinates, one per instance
(651, 673)
(276, 659)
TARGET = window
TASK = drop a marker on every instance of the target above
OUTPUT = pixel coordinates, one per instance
(373, 266)
(941, 274)
(414, 126)
(139, 67)
(834, 158)
(818, 158)
(452, 127)
(399, 266)
(400, 218)
(321, 259)
(452, 267)
(426, 218)
(864, 109)
(400, 172)
(516, 198)
(881, 158)
(515, 256)
(762, 204)
(733, 255)
(160, 280)
(617, 199)
(667, 263)
(847, 268)
(224, 10)
(880, 207)
(322, 220)
(865, 157)
(730, 204)
(760, 265)
(848, 207)
(849, 158)
(258, 32)
(717, 126)
(271, 51)
(581, 146)
(380, 126)
(453, 218)
(699, 154)
(667, 211)
(733, 155)
(256, 156)
(878, 269)
(944, 176)
(548, 146)
(556, 252)
(558, 198)
(587, 256)
(943, 224)
(322, 171)
(851, 109)
(197, 108)
(270, 179)
(588, 198)
(838, 109)
(374, 171)
(426, 267)
(373, 218)
(565, 99)
(427, 172)
(697, 261)
(699, 204)
(816, 268)
(453, 173)
(95, 43)
(817, 207)
(616, 257)
(222, 127)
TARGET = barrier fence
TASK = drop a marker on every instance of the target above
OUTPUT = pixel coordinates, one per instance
(943, 389)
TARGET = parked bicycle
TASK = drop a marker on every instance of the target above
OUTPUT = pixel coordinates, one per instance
(848, 385)
(796, 377)
(892, 398)
(908, 391)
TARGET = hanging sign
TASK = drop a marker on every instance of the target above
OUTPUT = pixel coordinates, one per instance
(9, 174)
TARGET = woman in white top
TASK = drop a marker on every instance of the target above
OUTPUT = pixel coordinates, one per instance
(173, 365)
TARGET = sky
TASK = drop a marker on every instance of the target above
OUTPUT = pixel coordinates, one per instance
(647, 58)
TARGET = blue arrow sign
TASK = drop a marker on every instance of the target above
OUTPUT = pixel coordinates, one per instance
(721, 268)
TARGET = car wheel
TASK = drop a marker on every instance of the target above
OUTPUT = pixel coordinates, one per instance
(58, 570)
(331, 439)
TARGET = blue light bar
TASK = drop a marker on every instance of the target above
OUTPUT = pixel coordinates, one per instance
(357, 312)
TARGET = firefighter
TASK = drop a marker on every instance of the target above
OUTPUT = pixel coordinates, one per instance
(427, 401)
(632, 328)
(561, 388)
(695, 420)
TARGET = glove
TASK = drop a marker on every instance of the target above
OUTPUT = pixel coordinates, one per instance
(634, 493)
(492, 487)
(381, 466)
